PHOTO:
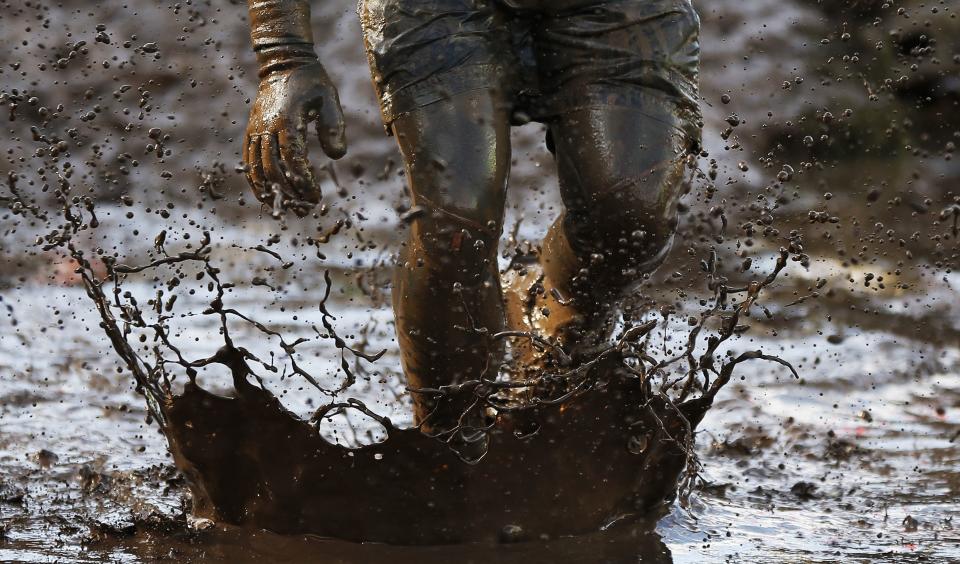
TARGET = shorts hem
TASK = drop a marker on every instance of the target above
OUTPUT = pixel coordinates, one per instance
(438, 87)
(634, 96)
(544, 108)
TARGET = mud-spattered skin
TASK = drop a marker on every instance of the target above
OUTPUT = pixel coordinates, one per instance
(294, 92)
(620, 167)
(621, 170)
(619, 221)
(616, 84)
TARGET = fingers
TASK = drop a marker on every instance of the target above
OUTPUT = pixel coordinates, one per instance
(255, 173)
(273, 171)
(248, 164)
(277, 176)
(331, 128)
(293, 158)
(279, 171)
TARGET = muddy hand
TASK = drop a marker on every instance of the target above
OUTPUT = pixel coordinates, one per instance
(275, 144)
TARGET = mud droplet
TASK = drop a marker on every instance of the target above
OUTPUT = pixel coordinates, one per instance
(511, 534)
(46, 458)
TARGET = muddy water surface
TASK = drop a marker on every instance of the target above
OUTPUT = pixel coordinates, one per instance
(859, 459)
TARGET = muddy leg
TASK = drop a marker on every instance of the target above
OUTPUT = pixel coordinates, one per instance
(446, 293)
(621, 175)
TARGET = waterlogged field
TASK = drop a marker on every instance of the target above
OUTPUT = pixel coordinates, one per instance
(830, 128)
(857, 461)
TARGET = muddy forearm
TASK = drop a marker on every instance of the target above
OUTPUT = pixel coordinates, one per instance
(281, 34)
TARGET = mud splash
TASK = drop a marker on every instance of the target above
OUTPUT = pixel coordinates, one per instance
(576, 476)
(611, 437)
(612, 447)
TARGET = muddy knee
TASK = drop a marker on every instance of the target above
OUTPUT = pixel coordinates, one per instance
(626, 228)
(455, 245)
(621, 173)
(457, 216)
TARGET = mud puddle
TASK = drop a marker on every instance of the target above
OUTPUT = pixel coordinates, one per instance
(856, 461)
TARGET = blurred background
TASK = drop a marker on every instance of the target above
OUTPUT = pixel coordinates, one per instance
(830, 126)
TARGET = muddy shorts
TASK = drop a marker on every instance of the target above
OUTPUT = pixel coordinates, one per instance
(642, 54)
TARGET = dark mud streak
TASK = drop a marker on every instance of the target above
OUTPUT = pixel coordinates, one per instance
(241, 544)
(575, 476)
(612, 446)
(615, 451)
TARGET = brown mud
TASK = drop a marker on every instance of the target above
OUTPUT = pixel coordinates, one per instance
(231, 544)
(576, 476)
(613, 447)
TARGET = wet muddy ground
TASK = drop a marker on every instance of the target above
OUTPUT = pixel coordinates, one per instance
(857, 461)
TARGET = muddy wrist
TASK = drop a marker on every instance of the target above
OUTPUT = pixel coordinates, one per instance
(281, 34)
(284, 57)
